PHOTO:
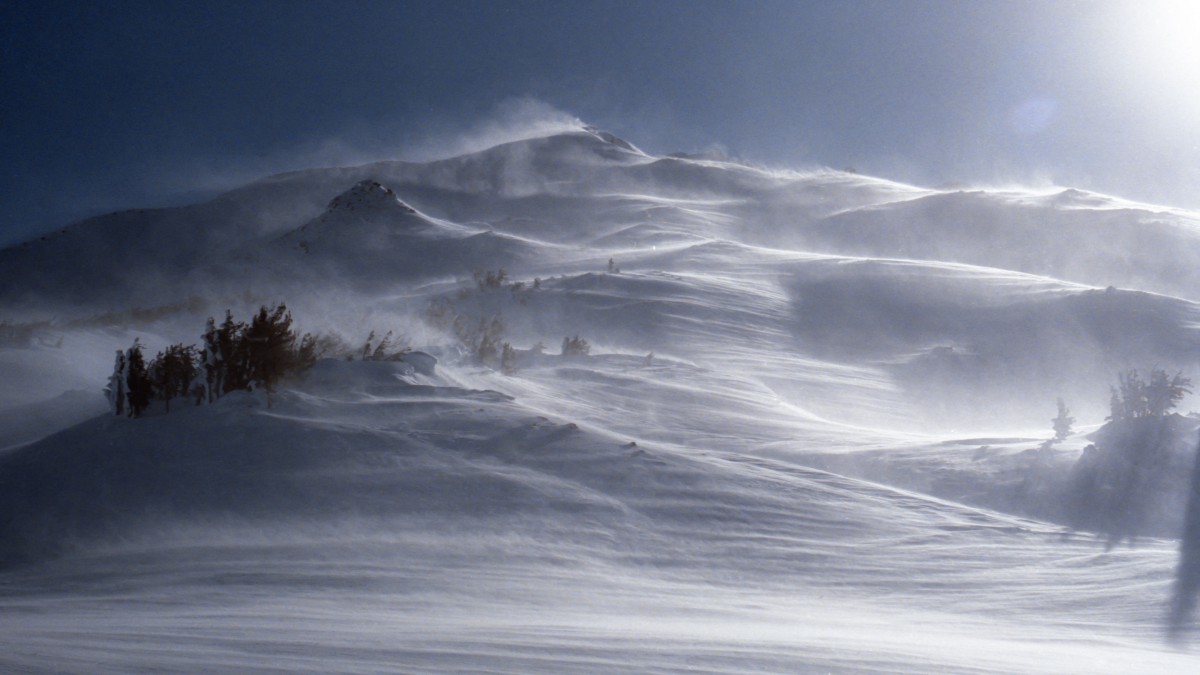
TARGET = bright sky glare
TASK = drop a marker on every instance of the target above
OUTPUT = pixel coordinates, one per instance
(142, 103)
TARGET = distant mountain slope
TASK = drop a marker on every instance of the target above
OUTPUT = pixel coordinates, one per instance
(686, 413)
(1064, 235)
(935, 293)
(368, 236)
(590, 187)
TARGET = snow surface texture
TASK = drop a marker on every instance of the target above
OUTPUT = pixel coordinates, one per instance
(808, 436)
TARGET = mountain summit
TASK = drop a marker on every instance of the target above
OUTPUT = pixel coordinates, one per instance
(365, 220)
(366, 196)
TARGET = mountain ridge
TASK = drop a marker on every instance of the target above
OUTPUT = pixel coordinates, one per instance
(672, 413)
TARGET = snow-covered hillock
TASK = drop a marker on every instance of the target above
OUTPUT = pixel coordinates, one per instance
(354, 439)
(441, 510)
(1135, 479)
(898, 344)
(357, 440)
(978, 343)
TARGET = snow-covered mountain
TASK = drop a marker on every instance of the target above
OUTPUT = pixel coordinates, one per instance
(809, 435)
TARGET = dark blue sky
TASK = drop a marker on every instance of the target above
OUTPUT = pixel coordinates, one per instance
(119, 104)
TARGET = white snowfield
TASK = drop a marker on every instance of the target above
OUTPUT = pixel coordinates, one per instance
(805, 439)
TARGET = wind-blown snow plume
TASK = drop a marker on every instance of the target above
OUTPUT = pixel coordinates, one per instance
(798, 421)
(515, 119)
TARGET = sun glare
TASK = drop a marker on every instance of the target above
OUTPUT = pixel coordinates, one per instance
(1150, 51)
(1167, 33)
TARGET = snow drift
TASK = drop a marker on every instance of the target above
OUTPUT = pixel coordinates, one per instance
(811, 433)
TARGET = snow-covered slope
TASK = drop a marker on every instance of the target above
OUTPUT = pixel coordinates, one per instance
(368, 235)
(809, 435)
(477, 536)
(1069, 235)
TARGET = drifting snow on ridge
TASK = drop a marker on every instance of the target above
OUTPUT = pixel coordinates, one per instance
(707, 486)
(365, 195)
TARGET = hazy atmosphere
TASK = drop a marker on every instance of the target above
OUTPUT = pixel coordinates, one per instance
(152, 103)
(599, 337)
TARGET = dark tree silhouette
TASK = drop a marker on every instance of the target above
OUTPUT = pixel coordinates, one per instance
(1134, 397)
(234, 366)
(138, 387)
(575, 346)
(235, 356)
(308, 352)
(1163, 393)
(269, 346)
(366, 350)
(212, 360)
(116, 384)
(172, 372)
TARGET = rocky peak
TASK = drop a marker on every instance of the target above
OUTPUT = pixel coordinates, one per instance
(368, 194)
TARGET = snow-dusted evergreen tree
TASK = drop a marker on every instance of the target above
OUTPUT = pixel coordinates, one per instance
(1116, 409)
(488, 350)
(381, 349)
(1163, 393)
(489, 279)
(234, 356)
(1130, 479)
(575, 346)
(484, 339)
(115, 391)
(1062, 423)
(366, 350)
(508, 359)
(1135, 398)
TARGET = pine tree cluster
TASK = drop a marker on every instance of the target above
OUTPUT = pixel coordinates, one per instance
(575, 346)
(1134, 397)
(387, 348)
(233, 356)
(483, 337)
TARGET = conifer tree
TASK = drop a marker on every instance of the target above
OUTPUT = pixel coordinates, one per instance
(1116, 409)
(234, 368)
(115, 391)
(234, 356)
(1163, 393)
(1134, 397)
(575, 346)
(172, 372)
(212, 362)
(366, 350)
(307, 352)
(508, 359)
(380, 351)
(1062, 423)
(138, 387)
(270, 346)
